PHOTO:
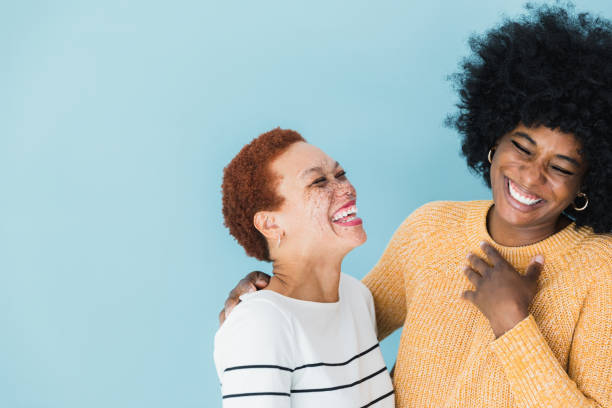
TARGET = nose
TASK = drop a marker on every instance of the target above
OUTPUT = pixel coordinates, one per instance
(345, 189)
(533, 174)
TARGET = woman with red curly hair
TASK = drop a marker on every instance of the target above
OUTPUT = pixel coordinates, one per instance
(313, 327)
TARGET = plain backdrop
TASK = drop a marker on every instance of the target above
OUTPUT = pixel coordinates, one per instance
(116, 120)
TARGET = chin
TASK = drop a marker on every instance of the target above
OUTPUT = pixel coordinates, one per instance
(521, 216)
(359, 238)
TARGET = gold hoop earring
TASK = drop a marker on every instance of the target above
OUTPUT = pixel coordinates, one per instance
(490, 155)
(586, 203)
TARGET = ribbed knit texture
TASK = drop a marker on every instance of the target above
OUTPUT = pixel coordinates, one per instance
(559, 356)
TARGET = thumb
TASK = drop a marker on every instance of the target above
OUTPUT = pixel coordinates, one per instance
(535, 268)
(259, 279)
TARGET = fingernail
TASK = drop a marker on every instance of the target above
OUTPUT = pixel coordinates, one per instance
(251, 289)
(482, 243)
(539, 259)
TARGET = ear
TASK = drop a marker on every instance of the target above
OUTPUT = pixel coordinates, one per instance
(265, 222)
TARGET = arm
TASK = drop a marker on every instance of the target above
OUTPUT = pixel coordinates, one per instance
(535, 375)
(386, 282)
(254, 358)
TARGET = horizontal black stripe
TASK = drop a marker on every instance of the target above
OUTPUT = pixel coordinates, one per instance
(382, 397)
(256, 394)
(363, 353)
(258, 366)
(243, 367)
(339, 387)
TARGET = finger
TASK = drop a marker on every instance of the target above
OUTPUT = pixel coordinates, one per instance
(469, 295)
(472, 276)
(535, 268)
(230, 303)
(245, 285)
(228, 309)
(494, 256)
(259, 279)
(478, 264)
(221, 317)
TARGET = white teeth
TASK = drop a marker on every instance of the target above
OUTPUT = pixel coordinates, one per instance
(519, 197)
(344, 213)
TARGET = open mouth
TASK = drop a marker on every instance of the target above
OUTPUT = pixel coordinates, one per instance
(521, 195)
(347, 215)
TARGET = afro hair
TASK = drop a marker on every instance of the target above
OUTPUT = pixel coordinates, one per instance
(551, 67)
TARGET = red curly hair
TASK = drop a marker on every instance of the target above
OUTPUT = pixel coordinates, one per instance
(249, 186)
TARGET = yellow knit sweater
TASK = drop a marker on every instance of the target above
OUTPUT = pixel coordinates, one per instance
(559, 356)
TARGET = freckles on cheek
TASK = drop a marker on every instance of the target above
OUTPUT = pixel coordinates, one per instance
(317, 205)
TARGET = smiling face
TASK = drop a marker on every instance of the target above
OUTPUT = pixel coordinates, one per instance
(536, 173)
(318, 214)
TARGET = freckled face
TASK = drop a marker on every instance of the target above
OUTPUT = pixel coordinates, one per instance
(319, 210)
(536, 173)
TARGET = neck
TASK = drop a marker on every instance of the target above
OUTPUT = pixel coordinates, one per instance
(513, 236)
(315, 280)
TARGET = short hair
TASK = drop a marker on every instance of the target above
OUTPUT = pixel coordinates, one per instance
(550, 67)
(249, 186)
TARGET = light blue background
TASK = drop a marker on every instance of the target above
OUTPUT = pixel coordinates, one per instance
(116, 119)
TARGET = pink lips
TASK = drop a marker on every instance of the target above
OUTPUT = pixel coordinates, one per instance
(353, 222)
(356, 221)
(350, 203)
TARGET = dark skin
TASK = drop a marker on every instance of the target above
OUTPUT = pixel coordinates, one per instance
(541, 165)
(545, 168)
(501, 293)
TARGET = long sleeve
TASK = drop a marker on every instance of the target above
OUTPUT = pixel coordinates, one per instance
(254, 358)
(386, 282)
(536, 377)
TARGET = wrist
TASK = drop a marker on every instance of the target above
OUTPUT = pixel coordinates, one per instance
(508, 321)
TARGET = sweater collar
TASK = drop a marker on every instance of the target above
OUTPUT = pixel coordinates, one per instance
(520, 256)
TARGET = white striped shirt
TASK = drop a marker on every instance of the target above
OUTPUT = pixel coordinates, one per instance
(274, 351)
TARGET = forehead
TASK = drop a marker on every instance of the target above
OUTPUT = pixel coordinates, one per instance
(550, 138)
(300, 157)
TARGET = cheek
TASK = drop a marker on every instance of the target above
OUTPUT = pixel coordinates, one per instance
(317, 203)
(496, 177)
(566, 191)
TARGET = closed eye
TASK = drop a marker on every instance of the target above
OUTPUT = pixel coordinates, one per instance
(341, 174)
(521, 148)
(559, 169)
(319, 180)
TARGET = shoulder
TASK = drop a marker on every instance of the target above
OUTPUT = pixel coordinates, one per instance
(253, 350)
(353, 287)
(350, 283)
(257, 331)
(258, 316)
(441, 214)
(586, 262)
(593, 259)
(596, 251)
(359, 297)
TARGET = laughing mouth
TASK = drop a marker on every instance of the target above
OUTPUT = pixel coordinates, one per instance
(521, 195)
(346, 214)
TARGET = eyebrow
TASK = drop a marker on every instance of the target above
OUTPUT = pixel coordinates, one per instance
(316, 169)
(526, 136)
(561, 156)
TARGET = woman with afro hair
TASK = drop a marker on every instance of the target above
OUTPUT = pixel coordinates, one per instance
(508, 302)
